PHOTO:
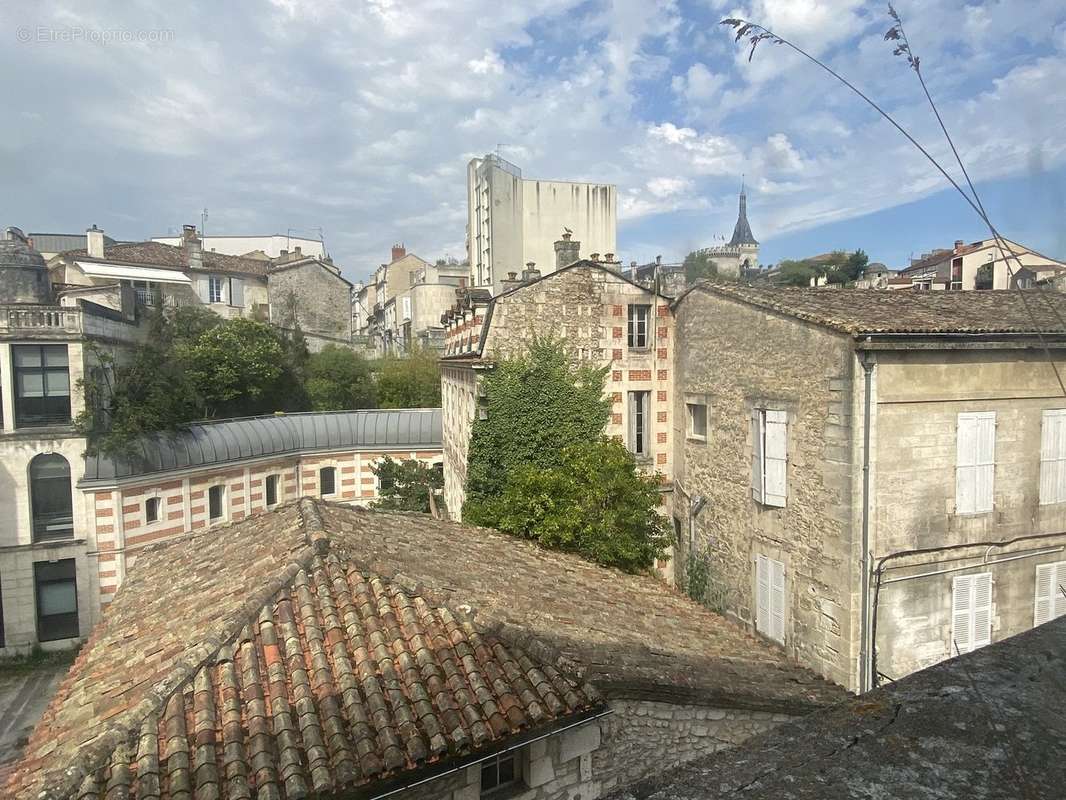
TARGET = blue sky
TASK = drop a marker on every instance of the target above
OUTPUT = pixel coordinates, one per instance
(359, 118)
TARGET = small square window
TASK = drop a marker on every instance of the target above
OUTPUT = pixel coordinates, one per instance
(499, 772)
(215, 496)
(151, 510)
(327, 481)
(697, 421)
(272, 490)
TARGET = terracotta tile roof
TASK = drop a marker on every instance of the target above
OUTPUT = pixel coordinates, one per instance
(157, 254)
(318, 648)
(861, 311)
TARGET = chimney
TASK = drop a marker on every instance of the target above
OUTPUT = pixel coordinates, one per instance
(658, 261)
(296, 251)
(958, 244)
(530, 273)
(511, 282)
(398, 252)
(567, 251)
(595, 257)
(608, 257)
(94, 242)
(194, 248)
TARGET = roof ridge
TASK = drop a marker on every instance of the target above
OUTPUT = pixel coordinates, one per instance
(126, 728)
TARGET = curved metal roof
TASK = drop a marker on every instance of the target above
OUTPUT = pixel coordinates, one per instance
(203, 444)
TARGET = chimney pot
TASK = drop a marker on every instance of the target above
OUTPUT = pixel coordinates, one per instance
(609, 257)
(594, 256)
(531, 264)
(959, 243)
(658, 260)
(398, 252)
(512, 276)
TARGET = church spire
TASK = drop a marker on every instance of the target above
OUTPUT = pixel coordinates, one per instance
(742, 232)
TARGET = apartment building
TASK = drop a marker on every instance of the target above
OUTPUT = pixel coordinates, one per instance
(512, 220)
(983, 264)
(875, 479)
(272, 245)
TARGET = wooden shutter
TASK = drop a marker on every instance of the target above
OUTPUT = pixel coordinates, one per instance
(775, 458)
(975, 462)
(236, 292)
(762, 595)
(971, 612)
(777, 600)
(757, 454)
(1050, 602)
(201, 288)
(982, 609)
(1053, 457)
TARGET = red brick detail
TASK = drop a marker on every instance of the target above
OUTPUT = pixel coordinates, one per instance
(661, 416)
(616, 375)
(661, 458)
(616, 354)
(105, 529)
(616, 311)
(660, 375)
(662, 333)
(661, 437)
(640, 374)
(661, 396)
(104, 512)
(616, 397)
(663, 311)
(616, 419)
(616, 333)
(662, 354)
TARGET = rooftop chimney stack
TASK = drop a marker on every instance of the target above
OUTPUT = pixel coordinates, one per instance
(194, 248)
(398, 252)
(530, 273)
(94, 242)
(567, 251)
(959, 243)
(510, 283)
(595, 257)
(296, 252)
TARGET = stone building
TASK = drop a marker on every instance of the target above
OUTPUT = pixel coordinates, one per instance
(513, 220)
(965, 265)
(603, 317)
(875, 478)
(45, 541)
(317, 650)
(310, 292)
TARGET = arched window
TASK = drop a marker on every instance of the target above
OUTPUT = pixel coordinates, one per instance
(50, 497)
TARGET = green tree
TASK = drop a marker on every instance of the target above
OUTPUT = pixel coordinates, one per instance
(406, 485)
(699, 265)
(409, 382)
(338, 379)
(536, 404)
(595, 503)
(795, 273)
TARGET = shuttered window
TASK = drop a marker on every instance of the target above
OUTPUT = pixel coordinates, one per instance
(769, 458)
(639, 424)
(975, 462)
(1053, 457)
(770, 598)
(971, 612)
(1050, 600)
(236, 292)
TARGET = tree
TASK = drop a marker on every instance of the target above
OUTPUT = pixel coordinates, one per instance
(795, 273)
(594, 503)
(407, 485)
(410, 382)
(338, 379)
(699, 265)
(536, 404)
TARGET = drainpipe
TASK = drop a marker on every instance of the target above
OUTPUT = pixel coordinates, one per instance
(868, 361)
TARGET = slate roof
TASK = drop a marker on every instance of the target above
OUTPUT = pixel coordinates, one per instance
(988, 724)
(59, 242)
(862, 312)
(323, 648)
(202, 444)
(166, 256)
(742, 230)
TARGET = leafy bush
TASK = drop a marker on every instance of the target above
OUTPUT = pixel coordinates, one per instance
(409, 382)
(339, 379)
(406, 485)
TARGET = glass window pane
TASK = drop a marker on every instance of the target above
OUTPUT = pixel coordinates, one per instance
(57, 598)
(151, 509)
(30, 384)
(214, 501)
(506, 769)
(55, 355)
(27, 356)
(271, 489)
(488, 776)
(57, 383)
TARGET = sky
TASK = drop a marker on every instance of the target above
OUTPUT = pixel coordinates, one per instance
(357, 119)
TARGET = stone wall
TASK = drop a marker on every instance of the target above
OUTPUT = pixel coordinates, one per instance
(735, 358)
(323, 299)
(458, 408)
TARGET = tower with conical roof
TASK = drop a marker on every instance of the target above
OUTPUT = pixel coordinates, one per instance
(741, 252)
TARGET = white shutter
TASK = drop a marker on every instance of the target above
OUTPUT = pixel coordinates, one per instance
(982, 609)
(777, 601)
(757, 454)
(961, 614)
(775, 458)
(201, 288)
(762, 594)
(1050, 600)
(1053, 457)
(975, 462)
(236, 292)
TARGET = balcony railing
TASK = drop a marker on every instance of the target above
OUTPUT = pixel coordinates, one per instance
(40, 319)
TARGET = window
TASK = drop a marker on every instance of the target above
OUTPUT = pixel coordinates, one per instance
(271, 490)
(638, 326)
(956, 275)
(1050, 600)
(42, 384)
(407, 308)
(1053, 457)
(236, 292)
(151, 510)
(499, 772)
(697, 421)
(769, 457)
(327, 481)
(770, 598)
(50, 498)
(971, 612)
(975, 462)
(638, 423)
(56, 588)
(214, 289)
(215, 496)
